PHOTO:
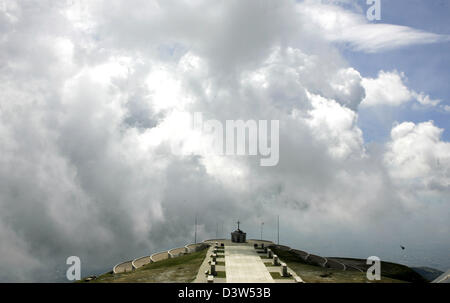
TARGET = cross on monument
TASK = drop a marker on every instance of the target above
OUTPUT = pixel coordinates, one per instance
(238, 236)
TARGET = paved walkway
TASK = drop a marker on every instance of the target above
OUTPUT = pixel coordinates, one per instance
(243, 265)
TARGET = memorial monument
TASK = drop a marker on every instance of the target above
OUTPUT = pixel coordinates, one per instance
(238, 236)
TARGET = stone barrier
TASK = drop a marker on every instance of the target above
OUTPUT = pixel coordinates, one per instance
(335, 264)
(283, 247)
(317, 260)
(159, 256)
(142, 261)
(139, 262)
(123, 267)
(308, 258)
(196, 247)
(300, 253)
(176, 252)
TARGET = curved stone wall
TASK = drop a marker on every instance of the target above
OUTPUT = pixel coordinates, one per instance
(123, 267)
(302, 254)
(159, 256)
(335, 264)
(283, 247)
(316, 260)
(175, 252)
(212, 241)
(139, 262)
(196, 247)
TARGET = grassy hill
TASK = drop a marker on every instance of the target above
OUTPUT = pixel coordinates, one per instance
(390, 272)
(388, 269)
(429, 274)
(182, 269)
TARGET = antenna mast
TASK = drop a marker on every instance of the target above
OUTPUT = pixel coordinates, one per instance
(195, 234)
(262, 225)
(278, 229)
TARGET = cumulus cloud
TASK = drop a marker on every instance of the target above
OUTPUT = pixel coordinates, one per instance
(88, 112)
(417, 154)
(390, 89)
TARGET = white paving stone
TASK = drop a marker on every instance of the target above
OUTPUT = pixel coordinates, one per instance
(243, 265)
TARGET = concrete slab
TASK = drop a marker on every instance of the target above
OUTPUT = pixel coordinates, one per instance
(243, 265)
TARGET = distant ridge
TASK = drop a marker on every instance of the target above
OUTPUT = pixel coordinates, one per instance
(428, 273)
(444, 278)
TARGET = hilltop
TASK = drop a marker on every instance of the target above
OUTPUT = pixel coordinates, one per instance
(190, 266)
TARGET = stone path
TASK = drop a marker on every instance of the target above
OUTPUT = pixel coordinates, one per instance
(243, 265)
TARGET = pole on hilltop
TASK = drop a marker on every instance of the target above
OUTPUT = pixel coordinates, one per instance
(278, 229)
(262, 225)
(195, 233)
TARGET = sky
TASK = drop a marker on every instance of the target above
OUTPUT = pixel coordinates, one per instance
(427, 67)
(90, 92)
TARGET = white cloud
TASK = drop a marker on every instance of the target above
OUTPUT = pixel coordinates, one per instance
(418, 155)
(86, 123)
(425, 99)
(336, 126)
(390, 89)
(339, 25)
(387, 89)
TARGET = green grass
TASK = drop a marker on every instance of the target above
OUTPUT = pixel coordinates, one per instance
(278, 276)
(388, 269)
(221, 274)
(220, 263)
(270, 264)
(317, 274)
(182, 269)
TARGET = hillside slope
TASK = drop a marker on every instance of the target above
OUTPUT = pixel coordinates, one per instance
(182, 269)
